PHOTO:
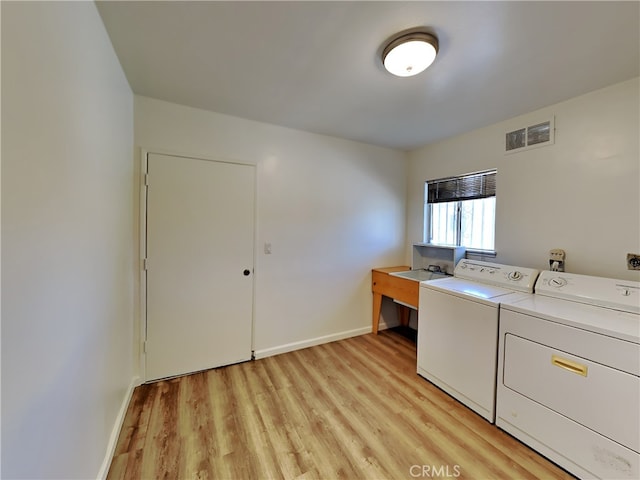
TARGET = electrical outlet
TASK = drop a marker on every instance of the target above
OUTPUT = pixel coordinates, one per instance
(633, 261)
(556, 260)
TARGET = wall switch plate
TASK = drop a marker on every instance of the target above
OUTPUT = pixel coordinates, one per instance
(633, 261)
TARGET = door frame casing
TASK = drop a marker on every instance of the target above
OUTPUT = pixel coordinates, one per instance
(142, 300)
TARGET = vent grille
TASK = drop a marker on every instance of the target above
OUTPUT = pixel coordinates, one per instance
(536, 135)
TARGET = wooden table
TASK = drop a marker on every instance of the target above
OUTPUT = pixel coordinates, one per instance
(398, 288)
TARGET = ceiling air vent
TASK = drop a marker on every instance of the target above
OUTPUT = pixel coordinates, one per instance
(537, 135)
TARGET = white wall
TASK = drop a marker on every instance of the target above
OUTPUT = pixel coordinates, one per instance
(580, 194)
(67, 240)
(332, 210)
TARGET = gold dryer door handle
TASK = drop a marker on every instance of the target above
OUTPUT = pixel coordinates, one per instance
(569, 365)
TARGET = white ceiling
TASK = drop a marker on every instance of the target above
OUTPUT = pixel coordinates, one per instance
(316, 66)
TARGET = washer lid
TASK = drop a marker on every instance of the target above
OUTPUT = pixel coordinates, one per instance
(468, 288)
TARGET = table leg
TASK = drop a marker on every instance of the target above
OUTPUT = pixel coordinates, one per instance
(403, 315)
(377, 304)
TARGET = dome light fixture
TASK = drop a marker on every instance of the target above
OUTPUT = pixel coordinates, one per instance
(410, 54)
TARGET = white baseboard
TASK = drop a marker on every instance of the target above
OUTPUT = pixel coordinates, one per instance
(290, 347)
(115, 432)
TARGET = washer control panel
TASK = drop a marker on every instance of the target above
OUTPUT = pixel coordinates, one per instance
(621, 295)
(521, 279)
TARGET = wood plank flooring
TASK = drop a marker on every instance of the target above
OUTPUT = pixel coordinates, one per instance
(352, 409)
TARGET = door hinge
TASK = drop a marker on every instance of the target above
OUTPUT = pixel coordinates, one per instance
(144, 347)
(145, 264)
(146, 179)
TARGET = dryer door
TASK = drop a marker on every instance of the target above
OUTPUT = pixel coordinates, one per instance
(599, 397)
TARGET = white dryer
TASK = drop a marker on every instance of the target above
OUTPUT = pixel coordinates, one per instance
(569, 373)
(458, 329)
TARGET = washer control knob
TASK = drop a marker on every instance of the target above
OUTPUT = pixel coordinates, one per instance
(515, 275)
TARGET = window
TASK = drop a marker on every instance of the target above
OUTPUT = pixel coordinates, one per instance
(462, 211)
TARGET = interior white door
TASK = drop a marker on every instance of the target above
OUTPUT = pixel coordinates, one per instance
(200, 251)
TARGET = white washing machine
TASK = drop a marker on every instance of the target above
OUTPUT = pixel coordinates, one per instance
(569, 373)
(458, 329)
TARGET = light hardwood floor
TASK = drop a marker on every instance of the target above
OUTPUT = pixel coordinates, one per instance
(352, 409)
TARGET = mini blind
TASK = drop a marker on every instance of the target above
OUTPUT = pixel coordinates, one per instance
(465, 187)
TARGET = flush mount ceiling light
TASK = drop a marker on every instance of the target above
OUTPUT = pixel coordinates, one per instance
(410, 54)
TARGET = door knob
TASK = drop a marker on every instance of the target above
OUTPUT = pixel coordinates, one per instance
(246, 272)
